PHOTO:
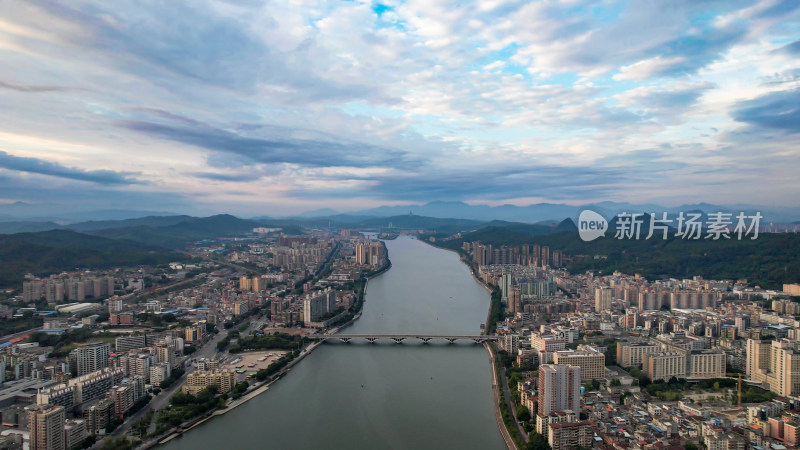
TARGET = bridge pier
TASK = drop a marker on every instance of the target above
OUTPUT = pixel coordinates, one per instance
(399, 338)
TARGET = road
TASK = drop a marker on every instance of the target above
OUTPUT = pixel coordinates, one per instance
(19, 334)
(509, 403)
(208, 350)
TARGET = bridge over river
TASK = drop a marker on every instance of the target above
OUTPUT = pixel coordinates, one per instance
(399, 338)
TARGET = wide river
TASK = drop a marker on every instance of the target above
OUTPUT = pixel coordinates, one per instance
(381, 396)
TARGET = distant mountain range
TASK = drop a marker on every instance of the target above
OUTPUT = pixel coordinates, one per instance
(22, 211)
(61, 215)
(541, 212)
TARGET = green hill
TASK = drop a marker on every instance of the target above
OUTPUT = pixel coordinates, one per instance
(27, 226)
(179, 234)
(149, 221)
(47, 252)
(769, 261)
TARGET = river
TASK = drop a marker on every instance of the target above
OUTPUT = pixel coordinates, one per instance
(387, 396)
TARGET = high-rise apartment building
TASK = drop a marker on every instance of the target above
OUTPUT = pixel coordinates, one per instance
(505, 287)
(194, 334)
(115, 305)
(559, 388)
(514, 301)
(90, 357)
(361, 253)
(318, 304)
(559, 395)
(591, 361)
(792, 289)
(125, 343)
(245, 283)
(258, 284)
(74, 433)
(602, 298)
(776, 363)
(706, 364)
(630, 354)
(545, 259)
(46, 425)
(664, 365)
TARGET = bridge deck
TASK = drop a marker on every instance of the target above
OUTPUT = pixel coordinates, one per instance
(324, 337)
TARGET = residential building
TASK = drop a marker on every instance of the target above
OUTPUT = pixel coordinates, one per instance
(559, 390)
(591, 361)
(94, 385)
(90, 357)
(707, 364)
(46, 426)
(664, 365)
(194, 334)
(775, 363)
(629, 354)
(74, 433)
(570, 435)
(98, 415)
(602, 298)
(125, 343)
(198, 380)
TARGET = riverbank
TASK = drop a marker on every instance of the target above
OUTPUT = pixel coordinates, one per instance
(464, 260)
(259, 389)
(497, 399)
(512, 445)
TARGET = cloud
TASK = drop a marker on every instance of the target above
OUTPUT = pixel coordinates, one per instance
(52, 197)
(776, 110)
(275, 150)
(792, 49)
(220, 101)
(31, 88)
(235, 177)
(38, 166)
(649, 68)
(664, 103)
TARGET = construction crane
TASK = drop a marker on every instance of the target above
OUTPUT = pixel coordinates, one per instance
(739, 376)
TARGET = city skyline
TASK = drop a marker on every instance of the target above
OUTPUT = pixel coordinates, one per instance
(284, 108)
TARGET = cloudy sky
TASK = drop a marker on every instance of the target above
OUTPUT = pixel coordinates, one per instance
(276, 107)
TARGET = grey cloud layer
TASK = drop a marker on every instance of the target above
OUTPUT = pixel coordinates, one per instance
(38, 166)
(264, 92)
(244, 149)
(778, 110)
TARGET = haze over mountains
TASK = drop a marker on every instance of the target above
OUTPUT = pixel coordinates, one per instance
(20, 217)
(555, 212)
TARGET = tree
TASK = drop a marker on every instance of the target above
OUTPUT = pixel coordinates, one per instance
(537, 442)
(616, 383)
(523, 415)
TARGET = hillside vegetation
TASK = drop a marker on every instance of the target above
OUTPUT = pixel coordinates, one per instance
(47, 252)
(769, 261)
